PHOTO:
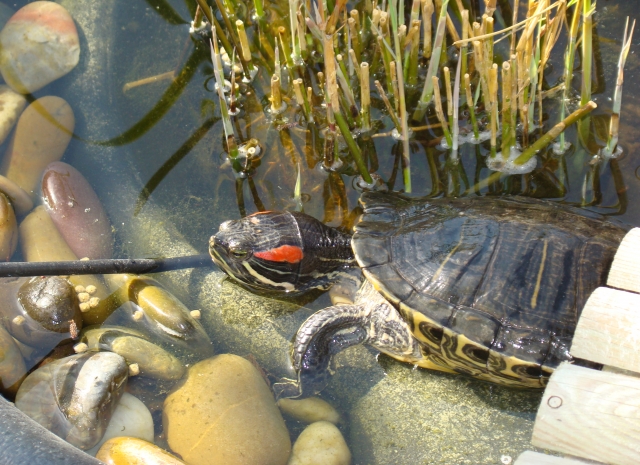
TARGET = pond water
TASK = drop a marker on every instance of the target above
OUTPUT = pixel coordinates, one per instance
(156, 155)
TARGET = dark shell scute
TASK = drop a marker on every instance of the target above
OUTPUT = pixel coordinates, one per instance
(390, 282)
(373, 251)
(477, 326)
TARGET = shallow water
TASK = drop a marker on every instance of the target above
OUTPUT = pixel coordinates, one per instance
(166, 186)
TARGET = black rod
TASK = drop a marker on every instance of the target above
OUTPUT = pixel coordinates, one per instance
(105, 266)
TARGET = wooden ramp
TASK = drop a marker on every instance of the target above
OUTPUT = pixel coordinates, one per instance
(592, 416)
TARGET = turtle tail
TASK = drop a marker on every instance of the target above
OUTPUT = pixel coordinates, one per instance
(324, 334)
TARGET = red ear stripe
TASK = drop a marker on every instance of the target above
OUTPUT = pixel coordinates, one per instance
(284, 253)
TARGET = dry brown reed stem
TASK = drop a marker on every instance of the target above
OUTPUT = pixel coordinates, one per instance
(356, 17)
(375, 18)
(482, 68)
(321, 83)
(447, 87)
(356, 64)
(387, 104)
(330, 73)
(514, 20)
(297, 90)
(394, 86)
(355, 37)
(402, 33)
(493, 98)
(489, 6)
(506, 109)
(149, 80)
(244, 41)
(472, 111)
(365, 96)
(276, 95)
(427, 15)
(488, 42)
(439, 112)
(301, 24)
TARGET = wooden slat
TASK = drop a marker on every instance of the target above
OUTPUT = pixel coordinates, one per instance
(590, 414)
(625, 269)
(536, 458)
(608, 331)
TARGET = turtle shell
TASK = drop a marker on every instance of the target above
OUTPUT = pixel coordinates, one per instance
(491, 287)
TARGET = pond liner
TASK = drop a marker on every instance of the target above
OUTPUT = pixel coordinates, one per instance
(22, 440)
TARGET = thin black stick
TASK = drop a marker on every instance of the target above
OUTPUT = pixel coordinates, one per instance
(105, 266)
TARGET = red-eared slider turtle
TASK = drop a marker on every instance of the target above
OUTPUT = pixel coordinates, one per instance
(487, 287)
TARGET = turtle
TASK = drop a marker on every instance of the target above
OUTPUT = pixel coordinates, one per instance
(489, 287)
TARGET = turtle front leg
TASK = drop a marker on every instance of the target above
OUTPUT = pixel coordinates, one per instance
(329, 331)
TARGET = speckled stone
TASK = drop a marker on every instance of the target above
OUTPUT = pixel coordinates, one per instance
(38, 45)
(133, 451)
(76, 211)
(224, 413)
(131, 418)
(321, 443)
(37, 141)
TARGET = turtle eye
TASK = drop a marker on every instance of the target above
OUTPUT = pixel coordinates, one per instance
(238, 252)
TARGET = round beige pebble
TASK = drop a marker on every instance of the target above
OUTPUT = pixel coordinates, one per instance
(224, 413)
(309, 410)
(42, 135)
(321, 443)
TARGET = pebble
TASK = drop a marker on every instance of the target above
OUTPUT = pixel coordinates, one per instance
(21, 201)
(309, 410)
(132, 451)
(39, 44)
(41, 241)
(77, 212)
(225, 413)
(12, 367)
(11, 106)
(321, 443)
(37, 141)
(131, 418)
(8, 229)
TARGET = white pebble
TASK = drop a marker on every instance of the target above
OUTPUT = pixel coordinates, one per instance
(134, 369)
(84, 297)
(79, 288)
(94, 301)
(321, 443)
(195, 314)
(91, 289)
(85, 307)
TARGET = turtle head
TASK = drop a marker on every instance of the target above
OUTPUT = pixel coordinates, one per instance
(278, 251)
